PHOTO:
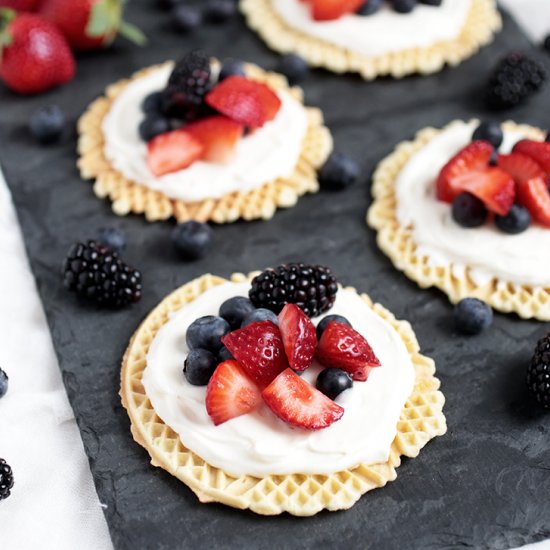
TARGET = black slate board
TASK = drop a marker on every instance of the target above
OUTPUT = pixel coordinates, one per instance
(486, 484)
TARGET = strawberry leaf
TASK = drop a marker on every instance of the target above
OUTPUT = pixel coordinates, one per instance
(133, 33)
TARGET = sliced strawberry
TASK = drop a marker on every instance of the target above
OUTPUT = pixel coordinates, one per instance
(219, 136)
(537, 150)
(327, 10)
(172, 151)
(520, 167)
(534, 195)
(245, 101)
(342, 347)
(299, 337)
(259, 349)
(230, 393)
(299, 403)
(495, 187)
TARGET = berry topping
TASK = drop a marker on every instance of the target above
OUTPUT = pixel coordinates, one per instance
(3, 383)
(230, 393)
(112, 238)
(539, 151)
(95, 272)
(343, 347)
(520, 166)
(324, 322)
(6, 479)
(327, 10)
(219, 137)
(186, 18)
(199, 366)
(152, 103)
(219, 11)
(259, 350)
(224, 355)
(538, 373)
(370, 7)
(468, 210)
(299, 338)
(534, 195)
(173, 151)
(299, 403)
(332, 382)
(258, 315)
(312, 288)
(192, 239)
(404, 6)
(516, 221)
(231, 67)
(235, 309)
(294, 67)
(489, 131)
(47, 124)
(339, 172)
(245, 101)
(206, 333)
(153, 125)
(472, 316)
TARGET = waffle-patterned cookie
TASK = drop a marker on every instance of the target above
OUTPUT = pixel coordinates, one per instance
(397, 241)
(261, 203)
(482, 23)
(302, 495)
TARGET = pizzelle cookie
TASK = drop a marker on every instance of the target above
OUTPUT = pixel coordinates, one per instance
(421, 234)
(345, 46)
(161, 199)
(420, 420)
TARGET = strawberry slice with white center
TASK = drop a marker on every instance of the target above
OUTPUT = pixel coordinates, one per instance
(219, 136)
(520, 166)
(299, 403)
(245, 101)
(173, 151)
(328, 10)
(299, 337)
(230, 393)
(259, 349)
(342, 347)
(539, 151)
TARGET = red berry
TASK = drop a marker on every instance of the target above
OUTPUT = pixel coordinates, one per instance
(172, 151)
(230, 393)
(521, 167)
(537, 150)
(342, 347)
(299, 337)
(299, 403)
(327, 10)
(495, 187)
(20, 5)
(534, 195)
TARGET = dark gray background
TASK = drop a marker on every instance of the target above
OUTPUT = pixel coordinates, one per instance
(486, 484)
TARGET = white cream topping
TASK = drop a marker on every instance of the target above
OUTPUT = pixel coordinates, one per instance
(269, 153)
(259, 443)
(487, 251)
(384, 32)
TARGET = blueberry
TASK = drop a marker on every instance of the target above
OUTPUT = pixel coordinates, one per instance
(3, 383)
(186, 18)
(332, 382)
(235, 310)
(224, 355)
(151, 104)
(404, 6)
(323, 323)
(219, 11)
(472, 316)
(199, 366)
(339, 172)
(516, 221)
(260, 314)
(370, 7)
(152, 126)
(431, 2)
(294, 67)
(490, 131)
(206, 333)
(47, 124)
(112, 237)
(469, 211)
(192, 239)
(231, 67)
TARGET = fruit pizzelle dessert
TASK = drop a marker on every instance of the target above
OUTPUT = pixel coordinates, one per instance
(467, 209)
(280, 391)
(375, 37)
(202, 140)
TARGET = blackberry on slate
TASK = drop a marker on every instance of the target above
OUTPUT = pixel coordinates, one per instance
(6, 479)
(311, 287)
(96, 272)
(538, 373)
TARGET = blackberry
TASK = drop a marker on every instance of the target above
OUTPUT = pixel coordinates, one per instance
(311, 287)
(187, 86)
(513, 80)
(96, 272)
(6, 479)
(538, 373)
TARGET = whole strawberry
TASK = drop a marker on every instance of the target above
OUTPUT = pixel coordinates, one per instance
(90, 24)
(34, 55)
(20, 5)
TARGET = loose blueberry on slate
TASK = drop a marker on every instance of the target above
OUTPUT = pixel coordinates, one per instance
(332, 382)
(152, 126)
(235, 310)
(113, 238)
(323, 323)
(186, 18)
(199, 366)
(219, 11)
(469, 211)
(370, 7)
(339, 172)
(293, 67)
(231, 67)
(152, 103)
(472, 316)
(192, 239)
(206, 333)
(260, 314)
(516, 221)
(3, 383)
(489, 131)
(224, 355)
(404, 6)
(47, 124)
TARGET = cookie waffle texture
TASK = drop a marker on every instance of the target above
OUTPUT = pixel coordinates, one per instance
(130, 197)
(302, 495)
(397, 241)
(482, 23)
